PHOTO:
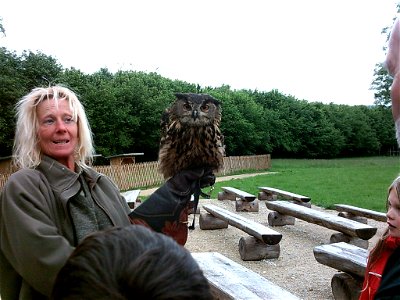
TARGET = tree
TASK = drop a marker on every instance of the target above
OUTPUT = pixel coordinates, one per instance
(381, 85)
(2, 30)
(12, 88)
(39, 69)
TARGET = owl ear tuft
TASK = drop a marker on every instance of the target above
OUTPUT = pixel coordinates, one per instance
(212, 99)
(181, 96)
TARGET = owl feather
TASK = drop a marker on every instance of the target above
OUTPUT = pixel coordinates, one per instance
(191, 135)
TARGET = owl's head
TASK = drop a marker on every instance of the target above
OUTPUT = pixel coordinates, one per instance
(196, 109)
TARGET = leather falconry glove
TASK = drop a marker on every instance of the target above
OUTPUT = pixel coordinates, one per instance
(166, 210)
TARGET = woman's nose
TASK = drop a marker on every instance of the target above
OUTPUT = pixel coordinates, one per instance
(60, 125)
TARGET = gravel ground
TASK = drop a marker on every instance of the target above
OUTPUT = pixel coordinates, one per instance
(296, 269)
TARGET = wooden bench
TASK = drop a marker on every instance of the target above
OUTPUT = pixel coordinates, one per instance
(353, 211)
(269, 193)
(351, 260)
(262, 243)
(244, 201)
(346, 227)
(230, 280)
(343, 257)
(131, 198)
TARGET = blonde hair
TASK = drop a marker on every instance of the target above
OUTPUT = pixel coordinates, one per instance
(26, 149)
(377, 250)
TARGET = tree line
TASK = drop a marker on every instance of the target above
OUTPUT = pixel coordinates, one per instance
(124, 109)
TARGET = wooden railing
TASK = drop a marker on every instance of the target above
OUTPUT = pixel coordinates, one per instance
(130, 176)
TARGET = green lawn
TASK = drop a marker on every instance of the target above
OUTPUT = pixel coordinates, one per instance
(361, 182)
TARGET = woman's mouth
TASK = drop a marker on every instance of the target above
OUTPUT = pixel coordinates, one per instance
(61, 142)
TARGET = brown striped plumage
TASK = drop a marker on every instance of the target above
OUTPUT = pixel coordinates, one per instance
(191, 135)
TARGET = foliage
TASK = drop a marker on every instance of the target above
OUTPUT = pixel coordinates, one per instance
(125, 108)
(2, 30)
(381, 85)
(18, 75)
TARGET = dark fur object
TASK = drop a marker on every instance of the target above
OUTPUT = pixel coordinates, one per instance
(191, 135)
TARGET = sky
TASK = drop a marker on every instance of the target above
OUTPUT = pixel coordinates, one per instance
(314, 50)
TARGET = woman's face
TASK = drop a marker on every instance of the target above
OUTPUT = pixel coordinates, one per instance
(58, 132)
(393, 213)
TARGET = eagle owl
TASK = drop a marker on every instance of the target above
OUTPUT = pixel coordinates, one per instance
(191, 135)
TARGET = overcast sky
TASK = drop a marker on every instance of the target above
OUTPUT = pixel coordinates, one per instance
(316, 50)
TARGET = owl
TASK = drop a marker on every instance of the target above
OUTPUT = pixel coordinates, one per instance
(191, 135)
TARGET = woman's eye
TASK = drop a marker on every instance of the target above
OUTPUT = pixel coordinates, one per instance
(68, 120)
(48, 121)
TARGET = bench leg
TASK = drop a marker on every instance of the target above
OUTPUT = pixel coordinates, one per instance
(266, 196)
(277, 219)
(250, 206)
(226, 196)
(341, 237)
(345, 286)
(350, 216)
(305, 204)
(209, 222)
(251, 248)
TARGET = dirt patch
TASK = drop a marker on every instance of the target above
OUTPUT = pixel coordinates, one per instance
(296, 269)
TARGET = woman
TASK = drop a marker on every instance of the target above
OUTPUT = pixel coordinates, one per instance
(56, 199)
(386, 245)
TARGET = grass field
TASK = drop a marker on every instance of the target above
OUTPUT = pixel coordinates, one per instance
(361, 182)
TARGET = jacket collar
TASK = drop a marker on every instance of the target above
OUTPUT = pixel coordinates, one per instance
(64, 181)
(392, 242)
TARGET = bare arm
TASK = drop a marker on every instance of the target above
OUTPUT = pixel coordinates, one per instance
(392, 64)
(395, 96)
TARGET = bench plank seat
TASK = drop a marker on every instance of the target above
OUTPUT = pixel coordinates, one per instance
(230, 280)
(362, 212)
(239, 193)
(349, 227)
(255, 229)
(285, 194)
(343, 257)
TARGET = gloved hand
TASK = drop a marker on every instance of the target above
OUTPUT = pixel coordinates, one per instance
(166, 210)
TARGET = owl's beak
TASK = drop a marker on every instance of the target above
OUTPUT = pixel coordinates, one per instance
(195, 114)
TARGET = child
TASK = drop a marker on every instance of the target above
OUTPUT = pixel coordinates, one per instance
(386, 245)
(131, 262)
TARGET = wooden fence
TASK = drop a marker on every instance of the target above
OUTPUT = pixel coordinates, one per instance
(131, 176)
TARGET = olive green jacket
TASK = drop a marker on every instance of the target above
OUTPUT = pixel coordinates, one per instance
(36, 232)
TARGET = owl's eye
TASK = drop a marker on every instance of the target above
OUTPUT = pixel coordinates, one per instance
(205, 107)
(187, 106)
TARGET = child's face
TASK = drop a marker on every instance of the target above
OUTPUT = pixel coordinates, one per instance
(393, 213)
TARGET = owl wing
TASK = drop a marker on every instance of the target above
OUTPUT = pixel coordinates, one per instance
(220, 141)
(221, 145)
